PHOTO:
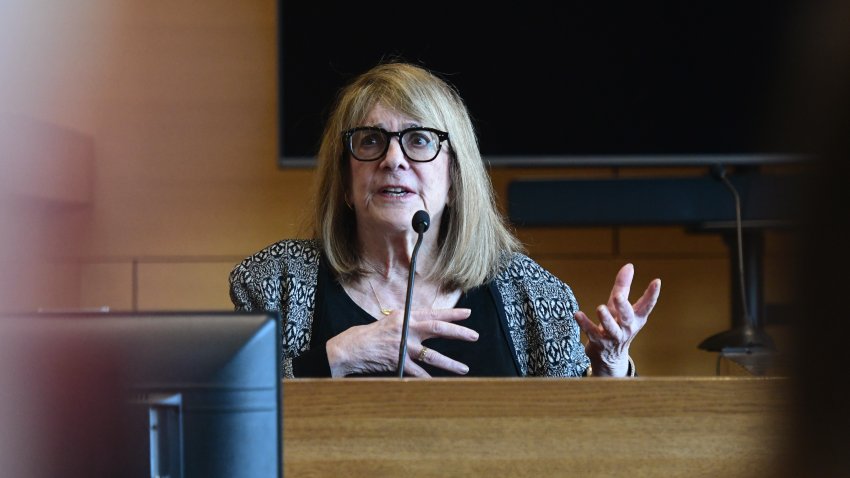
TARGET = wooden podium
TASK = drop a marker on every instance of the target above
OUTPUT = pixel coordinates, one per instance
(730, 427)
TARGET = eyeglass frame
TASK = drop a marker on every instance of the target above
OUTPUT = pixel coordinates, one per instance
(346, 141)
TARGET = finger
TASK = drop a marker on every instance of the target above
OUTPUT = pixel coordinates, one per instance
(647, 301)
(448, 315)
(436, 359)
(587, 325)
(625, 312)
(609, 324)
(435, 328)
(622, 284)
(414, 370)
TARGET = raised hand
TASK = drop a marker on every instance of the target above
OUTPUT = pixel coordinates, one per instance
(619, 322)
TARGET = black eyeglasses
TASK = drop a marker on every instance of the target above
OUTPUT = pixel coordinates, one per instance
(369, 143)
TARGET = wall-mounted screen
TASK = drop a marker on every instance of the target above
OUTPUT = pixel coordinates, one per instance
(552, 79)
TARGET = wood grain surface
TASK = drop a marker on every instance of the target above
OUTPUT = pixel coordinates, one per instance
(715, 426)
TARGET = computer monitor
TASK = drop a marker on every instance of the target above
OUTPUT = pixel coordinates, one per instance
(177, 394)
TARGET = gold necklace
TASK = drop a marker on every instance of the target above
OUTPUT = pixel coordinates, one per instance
(384, 310)
(387, 311)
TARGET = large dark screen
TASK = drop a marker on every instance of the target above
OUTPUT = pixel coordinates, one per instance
(553, 78)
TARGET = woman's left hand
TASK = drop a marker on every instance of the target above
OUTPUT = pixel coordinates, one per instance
(619, 322)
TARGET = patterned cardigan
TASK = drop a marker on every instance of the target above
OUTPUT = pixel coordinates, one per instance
(537, 307)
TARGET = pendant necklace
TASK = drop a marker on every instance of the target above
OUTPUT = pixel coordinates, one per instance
(388, 311)
(384, 310)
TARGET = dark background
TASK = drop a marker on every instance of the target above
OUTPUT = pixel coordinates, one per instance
(553, 79)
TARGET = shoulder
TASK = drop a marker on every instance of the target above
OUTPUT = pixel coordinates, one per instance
(520, 274)
(289, 256)
(298, 249)
(256, 281)
(516, 266)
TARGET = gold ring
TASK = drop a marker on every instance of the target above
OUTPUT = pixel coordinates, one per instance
(421, 356)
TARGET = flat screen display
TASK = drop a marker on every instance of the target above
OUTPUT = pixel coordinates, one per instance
(553, 79)
(182, 394)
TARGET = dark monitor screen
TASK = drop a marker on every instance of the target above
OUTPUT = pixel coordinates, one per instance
(183, 394)
(553, 79)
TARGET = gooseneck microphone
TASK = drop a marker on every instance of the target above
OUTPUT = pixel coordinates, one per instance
(421, 221)
(747, 344)
(718, 172)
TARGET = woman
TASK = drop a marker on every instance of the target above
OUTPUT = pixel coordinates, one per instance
(400, 140)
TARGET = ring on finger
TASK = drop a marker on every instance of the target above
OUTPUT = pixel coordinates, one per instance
(422, 354)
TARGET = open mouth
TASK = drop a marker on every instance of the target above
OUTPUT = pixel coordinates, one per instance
(395, 191)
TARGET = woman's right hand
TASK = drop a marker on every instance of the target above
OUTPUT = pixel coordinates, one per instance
(374, 348)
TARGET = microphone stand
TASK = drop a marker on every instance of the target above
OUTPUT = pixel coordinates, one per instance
(421, 221)
(747, 336)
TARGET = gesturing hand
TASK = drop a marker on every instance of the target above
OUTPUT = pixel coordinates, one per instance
(619, 322)
(374, 347)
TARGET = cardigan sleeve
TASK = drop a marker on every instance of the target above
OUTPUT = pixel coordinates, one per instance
(539, 308)
(242, 294)
(282, 278)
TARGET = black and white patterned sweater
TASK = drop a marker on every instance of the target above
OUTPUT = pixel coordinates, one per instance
(538, 308)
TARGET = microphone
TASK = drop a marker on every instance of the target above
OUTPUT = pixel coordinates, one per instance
(718, 172)
(748, 335)
(421, 221)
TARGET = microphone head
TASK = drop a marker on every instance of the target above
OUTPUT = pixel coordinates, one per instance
(718, 172)
(421, 221)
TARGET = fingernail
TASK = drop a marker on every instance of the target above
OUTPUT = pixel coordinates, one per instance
(473, 336)
(464, 370)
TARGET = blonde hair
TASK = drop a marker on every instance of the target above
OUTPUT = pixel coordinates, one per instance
(473, 234)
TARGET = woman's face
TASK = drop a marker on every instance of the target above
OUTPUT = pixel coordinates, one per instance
(385, 193)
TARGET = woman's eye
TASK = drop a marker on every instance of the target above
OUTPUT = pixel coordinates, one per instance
(369, 140)
(417, 139)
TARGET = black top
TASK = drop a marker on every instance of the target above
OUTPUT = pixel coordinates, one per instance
(490, 356)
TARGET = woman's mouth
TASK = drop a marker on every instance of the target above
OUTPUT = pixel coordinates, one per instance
(395, 191)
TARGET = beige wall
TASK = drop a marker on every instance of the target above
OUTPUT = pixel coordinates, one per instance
(178, 102)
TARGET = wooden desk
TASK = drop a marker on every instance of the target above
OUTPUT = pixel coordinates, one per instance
(534, 427)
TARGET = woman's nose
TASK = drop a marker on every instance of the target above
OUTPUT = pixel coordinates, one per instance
(395, 159)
